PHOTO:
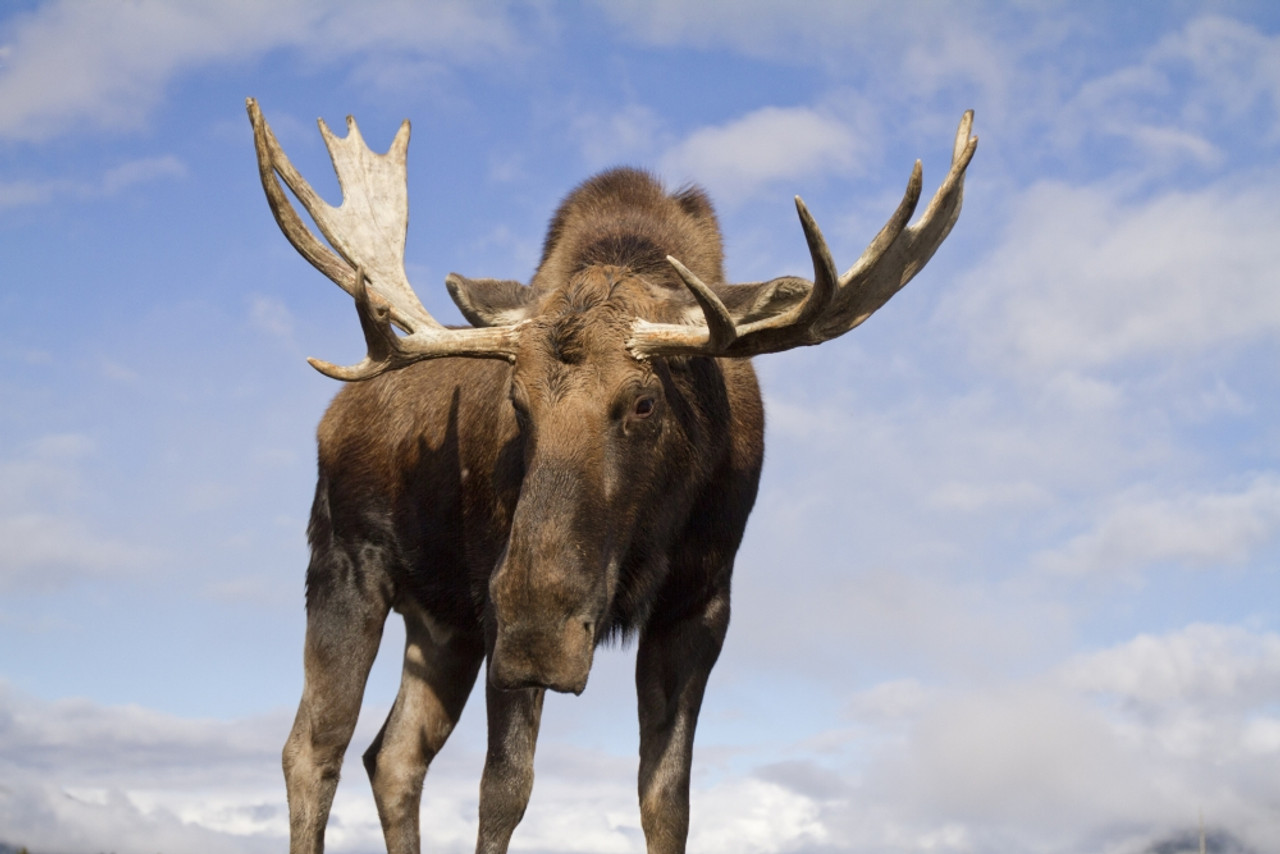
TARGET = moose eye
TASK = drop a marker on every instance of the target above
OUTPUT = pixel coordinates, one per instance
(644, 407)
(521, 413)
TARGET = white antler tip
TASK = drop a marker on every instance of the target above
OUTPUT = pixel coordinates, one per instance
(963, 139)
(329, 369)
(400, 145)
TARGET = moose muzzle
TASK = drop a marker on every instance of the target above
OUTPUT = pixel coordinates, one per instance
(543, 653)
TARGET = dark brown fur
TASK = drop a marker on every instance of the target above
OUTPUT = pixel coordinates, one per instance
(525, 513)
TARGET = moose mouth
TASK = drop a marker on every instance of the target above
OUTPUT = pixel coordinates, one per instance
(556, 655)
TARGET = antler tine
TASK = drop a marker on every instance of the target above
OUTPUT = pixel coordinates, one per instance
(720, 329)
(872, 281)
(834, 305)
(892, 229)
(368, 231)
(824, 268)
(384, 350)
(944, 207)
(272, 159)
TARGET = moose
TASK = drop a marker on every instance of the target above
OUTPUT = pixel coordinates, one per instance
(576, 466)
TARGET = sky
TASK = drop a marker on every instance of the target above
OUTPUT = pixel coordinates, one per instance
(1011, 583)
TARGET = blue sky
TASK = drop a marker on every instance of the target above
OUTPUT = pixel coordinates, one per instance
(1011, 582)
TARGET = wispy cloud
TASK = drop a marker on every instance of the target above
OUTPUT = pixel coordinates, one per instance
(1207, 530)
(98, 64)
(1207, 667)
(271, 316)
(736, 159)
(79, 773)
(1210, 82)
(632, 133)
(14, 194)
(141, 171)
(1086, 278)
(1107, 750)
(46, 543)
(43, 552)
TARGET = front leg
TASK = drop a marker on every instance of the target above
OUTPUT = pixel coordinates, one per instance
(507, 782)
(672, 666)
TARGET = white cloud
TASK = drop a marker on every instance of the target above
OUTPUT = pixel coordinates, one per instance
(1195, 707)
(1262, 735)
(115, 180)
(45, 470)
(45, 542)
(856, 619)
(105, 64)
(754, 816)
(49, 818)
(930, 50)
(1203, 666)
(892, 702)
(970, 52)
(952, 479)
(271, 316)
(1193, 529)
(1214, 82)
(81, 777)
(110, 744)
(16, 194)
(760, 27)
(41, 552)
(1234, 69)
(141, 171)
(630, 134)
(972, 497)
(741, 157)
(1021, 756)
(1084, 279)
(951, 54)
(1108, 751)
(1112, 750)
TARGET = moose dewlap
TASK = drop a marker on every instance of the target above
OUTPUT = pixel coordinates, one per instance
(579, 464)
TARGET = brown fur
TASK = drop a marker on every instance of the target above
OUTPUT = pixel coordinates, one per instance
(524, 514)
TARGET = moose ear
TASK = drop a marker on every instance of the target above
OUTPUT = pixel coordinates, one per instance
(752, 301)
(490, 302)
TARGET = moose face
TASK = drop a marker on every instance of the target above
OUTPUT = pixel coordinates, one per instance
(598, 436)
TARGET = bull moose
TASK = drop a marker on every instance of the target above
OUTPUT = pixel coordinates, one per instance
(576, 466)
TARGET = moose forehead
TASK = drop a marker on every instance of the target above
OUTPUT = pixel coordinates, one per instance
(590, 316)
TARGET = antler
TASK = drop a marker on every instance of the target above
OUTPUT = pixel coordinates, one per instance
(834, 305)
(368, 231)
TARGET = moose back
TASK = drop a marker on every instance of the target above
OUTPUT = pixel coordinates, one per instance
(578, 465)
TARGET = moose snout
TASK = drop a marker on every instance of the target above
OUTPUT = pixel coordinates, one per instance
(553, 654)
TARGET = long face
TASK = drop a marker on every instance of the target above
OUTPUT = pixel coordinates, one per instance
(596, 431)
